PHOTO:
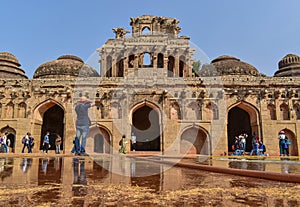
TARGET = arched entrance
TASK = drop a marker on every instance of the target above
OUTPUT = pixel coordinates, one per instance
(194, 140)
(146, 127)
(11, 137)
(242, 118)
(293, 148)
(53, 121)
(98, 140)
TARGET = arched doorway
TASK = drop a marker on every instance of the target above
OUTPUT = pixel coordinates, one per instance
(98, 140)
(293, 147)
(146, 127)
(242, 118)
(53, 121)
(194, 140)
(11, 137)
(98, 143)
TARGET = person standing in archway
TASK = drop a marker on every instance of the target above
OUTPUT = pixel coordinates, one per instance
(83, 122)
(281, 138)
(46, 142)
(133, 141)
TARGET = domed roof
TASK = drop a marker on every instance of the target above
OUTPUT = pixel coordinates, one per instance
(10, 66)
(65, 66)
(228, 65)
(289, 66)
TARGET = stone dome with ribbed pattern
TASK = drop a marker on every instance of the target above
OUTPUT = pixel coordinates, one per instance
(10, 66)
(288, 66)
(66, 66)
(228, 65)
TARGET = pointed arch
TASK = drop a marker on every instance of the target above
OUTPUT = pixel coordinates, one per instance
(11, 136)
(213, 111)
(42, 107)
(160, 60)
(284, 111)
(22, 110)
(195, 140)
(193, 111)
(272, 111)
(171, 66)
(297, 110)
(10, 110)
(242, 117)
(175, 112)
(99, 140)
(293, 147)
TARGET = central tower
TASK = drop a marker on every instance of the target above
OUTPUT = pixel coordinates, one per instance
(153, 44)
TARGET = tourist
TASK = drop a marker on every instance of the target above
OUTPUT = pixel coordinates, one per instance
(255, 144)
(286, 146)
(25, 141)
(122, 144)
(281, 138)
(46, 142)
(31, 143)
(5, 142)
(58, 141)
(133, 141)
(242, 141)
(83, 122)
(262, 148)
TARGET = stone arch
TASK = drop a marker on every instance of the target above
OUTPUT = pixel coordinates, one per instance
(182, 66)
(49, 116)
(99, 140)
(171, 66)
(175, 112)
(193, 111)
(160, 60)
(10, 110)
(22, 110)
(195, 140)
(272, 111)
(213, 111)
(146, 125)
(131, 61)
(284, 111)
(11, 136)
(293, 148)
(145, 30)
(147, 60)
(120, 67)
(297, 111)
(242, 117)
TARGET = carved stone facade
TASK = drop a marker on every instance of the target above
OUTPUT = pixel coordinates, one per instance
(161, 100)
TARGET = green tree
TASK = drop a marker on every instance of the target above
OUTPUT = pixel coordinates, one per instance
(196, 66)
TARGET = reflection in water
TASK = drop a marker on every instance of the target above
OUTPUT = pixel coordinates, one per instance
(260, 166)
(25, 164)
(6, 167)
(85, 182)
(79, 175)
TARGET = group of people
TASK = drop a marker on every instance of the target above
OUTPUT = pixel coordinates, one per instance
(239, 146)
(28, 142)
(4, 143)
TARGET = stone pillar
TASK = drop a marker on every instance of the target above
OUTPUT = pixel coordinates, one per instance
(70, 130)
(154, 59)
(176, 66)
(114, 69)
(103, 66)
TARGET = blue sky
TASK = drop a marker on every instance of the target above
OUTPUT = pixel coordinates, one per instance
(259, 32)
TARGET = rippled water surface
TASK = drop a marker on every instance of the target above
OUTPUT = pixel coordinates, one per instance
(73, 181)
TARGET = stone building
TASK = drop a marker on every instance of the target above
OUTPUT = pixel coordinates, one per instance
(148, 85)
